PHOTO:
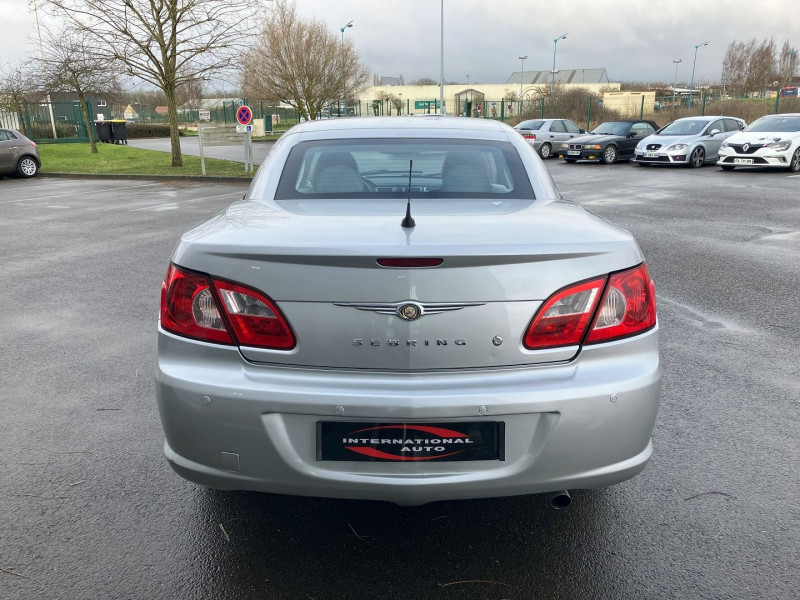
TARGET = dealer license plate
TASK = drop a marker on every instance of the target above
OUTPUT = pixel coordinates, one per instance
(651, 154)
(408, 442)
(573, 152)
(743, 161)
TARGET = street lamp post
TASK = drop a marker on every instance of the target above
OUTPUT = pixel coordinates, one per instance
(691, 86)
(674, 85)
(342, 28)
(521, 78)
(555, 47)
(441, 61)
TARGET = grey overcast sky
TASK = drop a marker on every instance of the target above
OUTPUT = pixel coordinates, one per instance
(635, 40)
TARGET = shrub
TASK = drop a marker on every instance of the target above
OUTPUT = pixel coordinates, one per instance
(148, 130)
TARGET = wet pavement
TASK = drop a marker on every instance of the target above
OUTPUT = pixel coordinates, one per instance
(90, 509)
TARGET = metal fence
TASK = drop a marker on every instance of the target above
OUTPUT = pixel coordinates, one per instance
(51, 122)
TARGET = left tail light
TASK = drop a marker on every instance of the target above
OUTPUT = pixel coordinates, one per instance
(197, 306)
(608, 308)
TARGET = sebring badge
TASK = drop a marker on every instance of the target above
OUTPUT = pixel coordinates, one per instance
(408, 310)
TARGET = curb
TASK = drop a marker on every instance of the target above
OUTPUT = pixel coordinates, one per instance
(207, 178)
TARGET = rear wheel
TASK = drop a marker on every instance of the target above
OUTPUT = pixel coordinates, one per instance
(697, 158)
(794, 165)
(610, 155)
(27, 167)
(727, 167)
(545, 150)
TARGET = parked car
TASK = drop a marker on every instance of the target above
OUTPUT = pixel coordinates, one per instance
(608, 143)
(771, 141)
(405, 309)
(692, 141)
(546, 134)
(18, 155)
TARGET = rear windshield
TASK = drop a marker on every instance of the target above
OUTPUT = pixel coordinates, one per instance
(379, 168)
(529, 125)
(783, 124)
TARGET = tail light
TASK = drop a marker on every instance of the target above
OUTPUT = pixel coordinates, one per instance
(618, 306)
(196, 306)
(529, 136)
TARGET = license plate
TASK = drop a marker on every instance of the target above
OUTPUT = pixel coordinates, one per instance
(574, 152)
(410, 442)
(651, 154)
(743, 161)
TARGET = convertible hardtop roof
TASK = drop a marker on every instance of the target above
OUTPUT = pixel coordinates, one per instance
(419, 122)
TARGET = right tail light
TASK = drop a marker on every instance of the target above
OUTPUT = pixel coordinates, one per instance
(600, 310)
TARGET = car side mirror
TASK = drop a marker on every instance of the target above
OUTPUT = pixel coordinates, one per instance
(632, 134)
(582, 131)
(714, 132)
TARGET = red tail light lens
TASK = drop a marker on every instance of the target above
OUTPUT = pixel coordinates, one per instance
(628, 306)
(529, 136)
(193, 305)
(623, 306)
(255, 320)
(563, 318)
(188, 307)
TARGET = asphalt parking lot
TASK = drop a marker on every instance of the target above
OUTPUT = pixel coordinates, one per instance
(90, 509)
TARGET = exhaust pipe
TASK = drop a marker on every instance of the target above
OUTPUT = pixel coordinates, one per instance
(560, 500)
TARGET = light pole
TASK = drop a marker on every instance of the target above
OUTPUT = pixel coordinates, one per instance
(441, 62)
(691, 86)
(342, 28)
(467, 79)
(521, 78)
(674, 85)
(555, 47)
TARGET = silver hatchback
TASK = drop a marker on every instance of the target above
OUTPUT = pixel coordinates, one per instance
(692, 141)
(18, 155)
(405, 309)
(546, 134)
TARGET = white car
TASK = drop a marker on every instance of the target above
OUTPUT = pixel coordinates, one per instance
(771, 141)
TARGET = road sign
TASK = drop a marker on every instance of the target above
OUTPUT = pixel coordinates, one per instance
(204, 115)
(244, 115)
(244, 129)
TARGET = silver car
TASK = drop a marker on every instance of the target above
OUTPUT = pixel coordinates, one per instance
(405, 309)
(692, 141)
(546, 134)
(18, 155)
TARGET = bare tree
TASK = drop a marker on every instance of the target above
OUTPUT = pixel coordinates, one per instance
(301, 62)
(17, 86)
(70, 67)
(190, 94)
(163, 42)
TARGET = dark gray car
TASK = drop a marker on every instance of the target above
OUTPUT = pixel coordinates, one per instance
(18, 154)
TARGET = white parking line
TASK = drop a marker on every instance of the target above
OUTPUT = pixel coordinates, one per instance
(175, 204)
(83, 192)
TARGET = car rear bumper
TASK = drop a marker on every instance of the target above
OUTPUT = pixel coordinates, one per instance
(231, 424)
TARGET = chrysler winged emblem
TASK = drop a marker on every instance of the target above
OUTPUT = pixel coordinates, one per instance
(408, 310)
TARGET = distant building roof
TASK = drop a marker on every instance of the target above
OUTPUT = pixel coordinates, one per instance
(576, 76)
(390, 81)
(209, 103)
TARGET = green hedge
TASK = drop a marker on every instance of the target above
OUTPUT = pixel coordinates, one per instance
(147, 130)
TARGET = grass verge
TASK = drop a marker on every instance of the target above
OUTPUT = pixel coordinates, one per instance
(114, 159)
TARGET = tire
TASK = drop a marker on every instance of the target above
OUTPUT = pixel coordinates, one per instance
(697, 157)
(727, 167)
(609, 155)
(545, 151)
(794, 165)
(27, 167)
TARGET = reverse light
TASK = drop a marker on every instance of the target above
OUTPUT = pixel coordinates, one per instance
(196, 306)
(608, 308)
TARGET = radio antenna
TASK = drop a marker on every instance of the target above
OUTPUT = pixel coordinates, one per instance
(408, 220)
